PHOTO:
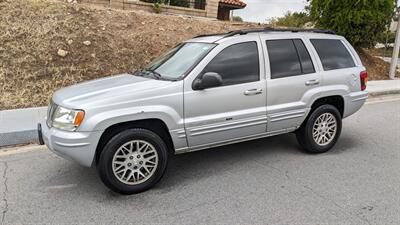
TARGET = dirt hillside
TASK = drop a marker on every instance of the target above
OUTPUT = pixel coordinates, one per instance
(97, 42)
(45, 45)
(377, 68)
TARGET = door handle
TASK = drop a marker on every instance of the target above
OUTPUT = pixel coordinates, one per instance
(253, 92)
(312, 82)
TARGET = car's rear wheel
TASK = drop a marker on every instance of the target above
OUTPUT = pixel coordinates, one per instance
(321, 131)
(133, 161)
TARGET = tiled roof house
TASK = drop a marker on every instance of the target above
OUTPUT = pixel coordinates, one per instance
(219, 9)
(226, 6)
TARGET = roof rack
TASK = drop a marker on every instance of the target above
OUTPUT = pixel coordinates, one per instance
(267, 29)
(270, 29)
(296, 30)
(209, 35)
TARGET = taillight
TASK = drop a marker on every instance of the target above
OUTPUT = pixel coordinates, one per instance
(364, 80)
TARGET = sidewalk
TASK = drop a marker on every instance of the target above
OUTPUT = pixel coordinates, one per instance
(19, 126)
(383, 87)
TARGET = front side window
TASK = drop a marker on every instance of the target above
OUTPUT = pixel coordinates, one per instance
(333, 54)
(238, 63)
(179, 60)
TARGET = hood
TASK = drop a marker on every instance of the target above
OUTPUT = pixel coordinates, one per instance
(102, 91)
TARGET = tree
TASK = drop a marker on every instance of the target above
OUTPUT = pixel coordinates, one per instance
(296, 19)
(360, 21)
(237, 19)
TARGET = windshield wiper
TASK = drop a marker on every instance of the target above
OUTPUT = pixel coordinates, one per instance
(145, 72)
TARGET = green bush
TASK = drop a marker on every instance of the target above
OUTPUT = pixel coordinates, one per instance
(386, 36)
(157, 7)
(360, 21)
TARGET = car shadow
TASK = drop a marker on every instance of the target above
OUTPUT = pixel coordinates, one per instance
(197, 165)
(186, 168)
(345, 143)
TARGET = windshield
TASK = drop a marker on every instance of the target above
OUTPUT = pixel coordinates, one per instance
(179, 60)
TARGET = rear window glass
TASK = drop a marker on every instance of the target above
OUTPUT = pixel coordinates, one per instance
(283, 58)
(289, 58)
(305, 59)
(333, 54)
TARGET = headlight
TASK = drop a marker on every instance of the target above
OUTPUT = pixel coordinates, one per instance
(67, 119)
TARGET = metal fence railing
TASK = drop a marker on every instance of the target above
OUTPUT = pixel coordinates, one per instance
(195, 4)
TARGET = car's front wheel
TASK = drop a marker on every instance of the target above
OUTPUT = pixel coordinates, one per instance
(321, 131)
(133, 161)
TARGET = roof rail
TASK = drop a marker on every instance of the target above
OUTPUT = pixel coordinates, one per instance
(208, 35)
(295, 30)
(270, 29)
(267, 29)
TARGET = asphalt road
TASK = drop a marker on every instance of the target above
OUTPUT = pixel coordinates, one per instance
(267, 181)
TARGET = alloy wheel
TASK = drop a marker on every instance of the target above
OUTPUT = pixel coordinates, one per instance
(324, 129)
(135, 162)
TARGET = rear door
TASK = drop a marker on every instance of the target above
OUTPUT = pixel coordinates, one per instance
(292, 77)
(235, 110)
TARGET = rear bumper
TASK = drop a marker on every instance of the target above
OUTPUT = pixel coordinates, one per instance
(76, 146)
(353, 102)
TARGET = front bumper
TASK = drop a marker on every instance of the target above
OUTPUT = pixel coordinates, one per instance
(76, 146)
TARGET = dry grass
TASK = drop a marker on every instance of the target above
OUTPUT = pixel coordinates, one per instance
(32, 31)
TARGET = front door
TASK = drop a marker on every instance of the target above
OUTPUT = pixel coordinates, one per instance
(234, 110)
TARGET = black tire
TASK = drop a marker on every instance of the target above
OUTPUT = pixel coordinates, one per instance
(105, 168)
(305, 134)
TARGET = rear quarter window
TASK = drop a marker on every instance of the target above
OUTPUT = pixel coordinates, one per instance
(333, 54)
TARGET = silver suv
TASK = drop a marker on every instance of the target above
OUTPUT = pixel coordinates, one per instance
(209, 91)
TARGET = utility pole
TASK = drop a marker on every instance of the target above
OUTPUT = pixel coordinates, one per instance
(396, 48)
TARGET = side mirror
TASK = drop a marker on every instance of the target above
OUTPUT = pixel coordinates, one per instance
(209, 80)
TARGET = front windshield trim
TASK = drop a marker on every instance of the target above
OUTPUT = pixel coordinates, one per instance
(190, 68)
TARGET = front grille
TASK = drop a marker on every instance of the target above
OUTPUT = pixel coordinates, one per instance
(50, 113)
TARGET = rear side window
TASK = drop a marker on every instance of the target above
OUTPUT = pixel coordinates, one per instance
(333, 54)
(288, 58)
(238, 63)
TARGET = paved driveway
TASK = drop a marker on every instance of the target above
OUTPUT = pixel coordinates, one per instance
(267, 181)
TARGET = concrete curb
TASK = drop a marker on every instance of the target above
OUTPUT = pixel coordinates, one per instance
(381, 93)
(19, 126)
(19, 137)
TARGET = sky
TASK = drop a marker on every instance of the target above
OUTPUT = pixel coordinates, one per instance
(262, 10)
